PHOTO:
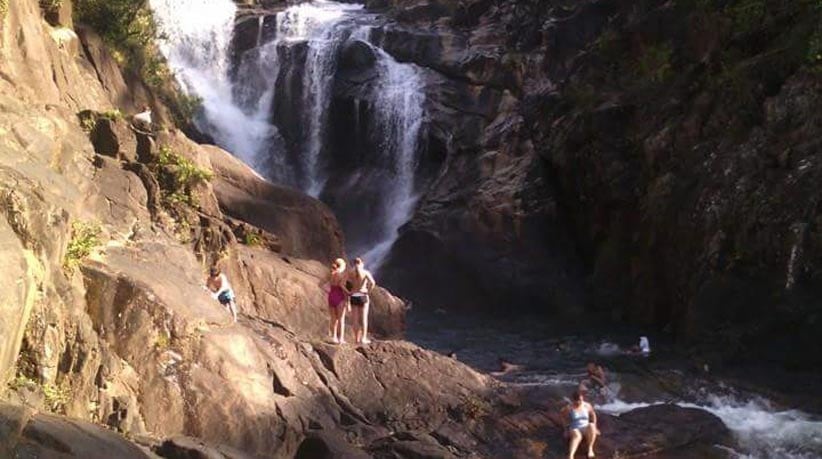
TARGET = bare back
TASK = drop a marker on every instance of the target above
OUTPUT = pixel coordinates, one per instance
(362, 283)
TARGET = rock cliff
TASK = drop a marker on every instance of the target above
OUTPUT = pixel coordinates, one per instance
(651, 162)
(106, 235)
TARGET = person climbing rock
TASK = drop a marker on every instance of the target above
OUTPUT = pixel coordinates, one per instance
(580, 422)
(362, 282)
(337, 300)
(217, 284)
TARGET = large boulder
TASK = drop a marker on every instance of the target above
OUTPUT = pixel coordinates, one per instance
(26, 433)
(306, 227)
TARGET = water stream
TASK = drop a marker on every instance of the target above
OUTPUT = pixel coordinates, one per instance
(553, 360)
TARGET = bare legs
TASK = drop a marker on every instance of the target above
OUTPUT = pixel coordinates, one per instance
(356, 322)
(336, 326)
(364, 337)
(232, 308)
(360, 324)
(589, 433)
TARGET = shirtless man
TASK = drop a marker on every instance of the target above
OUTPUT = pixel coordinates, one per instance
(220, 289)
(361, 282)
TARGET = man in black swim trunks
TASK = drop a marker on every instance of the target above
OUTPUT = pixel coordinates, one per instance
(361, 282)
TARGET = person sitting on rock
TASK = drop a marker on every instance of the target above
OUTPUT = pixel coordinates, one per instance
(337, 301)
(362, 282)
(580, 422)
(220, 289)
(142, 121)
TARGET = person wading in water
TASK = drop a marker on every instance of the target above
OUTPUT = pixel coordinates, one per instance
(220, 289)
(337, 301)
(361, 282)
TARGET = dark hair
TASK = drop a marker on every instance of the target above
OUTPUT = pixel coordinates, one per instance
(577, 395)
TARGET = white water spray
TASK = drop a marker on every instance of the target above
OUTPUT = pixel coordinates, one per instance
(763, 431)
(238, 114)
(195, 37)
(399, 115)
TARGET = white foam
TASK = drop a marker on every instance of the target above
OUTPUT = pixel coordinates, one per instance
(762, 431)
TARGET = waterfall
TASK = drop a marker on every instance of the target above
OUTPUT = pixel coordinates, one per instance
(195, 37)
(398, 120)
(321, 25)
(272, 107)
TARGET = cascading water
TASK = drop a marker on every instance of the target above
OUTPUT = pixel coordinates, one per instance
(321, 25)
(763, 431)
(272, 109)
(398, 123)
(197, 46)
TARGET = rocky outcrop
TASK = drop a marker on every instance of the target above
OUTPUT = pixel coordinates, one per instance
(613, 159)
(305, 226)
(23, 432)
(106, 236)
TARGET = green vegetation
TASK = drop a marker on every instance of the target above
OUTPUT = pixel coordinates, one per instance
(162, 342)
(88, 123)
(84, 238)
(747, 15)
(178, 176)
(112, 115)
(22, 382)
(252, 239)
(56, 397)
(187, 107)
(655, 63)
(125, 25)
(128, 29)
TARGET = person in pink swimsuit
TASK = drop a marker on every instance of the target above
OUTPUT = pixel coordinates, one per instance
(337, 301)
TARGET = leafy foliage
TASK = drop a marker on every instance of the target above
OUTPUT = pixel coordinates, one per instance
(128, 28)
(162, 342)
(655, 63)
(252, 239)
(56, 396)
(747, 15)
(124, 24)
(179, 175)
(84, 238)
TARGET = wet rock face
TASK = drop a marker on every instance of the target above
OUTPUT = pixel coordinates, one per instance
(599, 151)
